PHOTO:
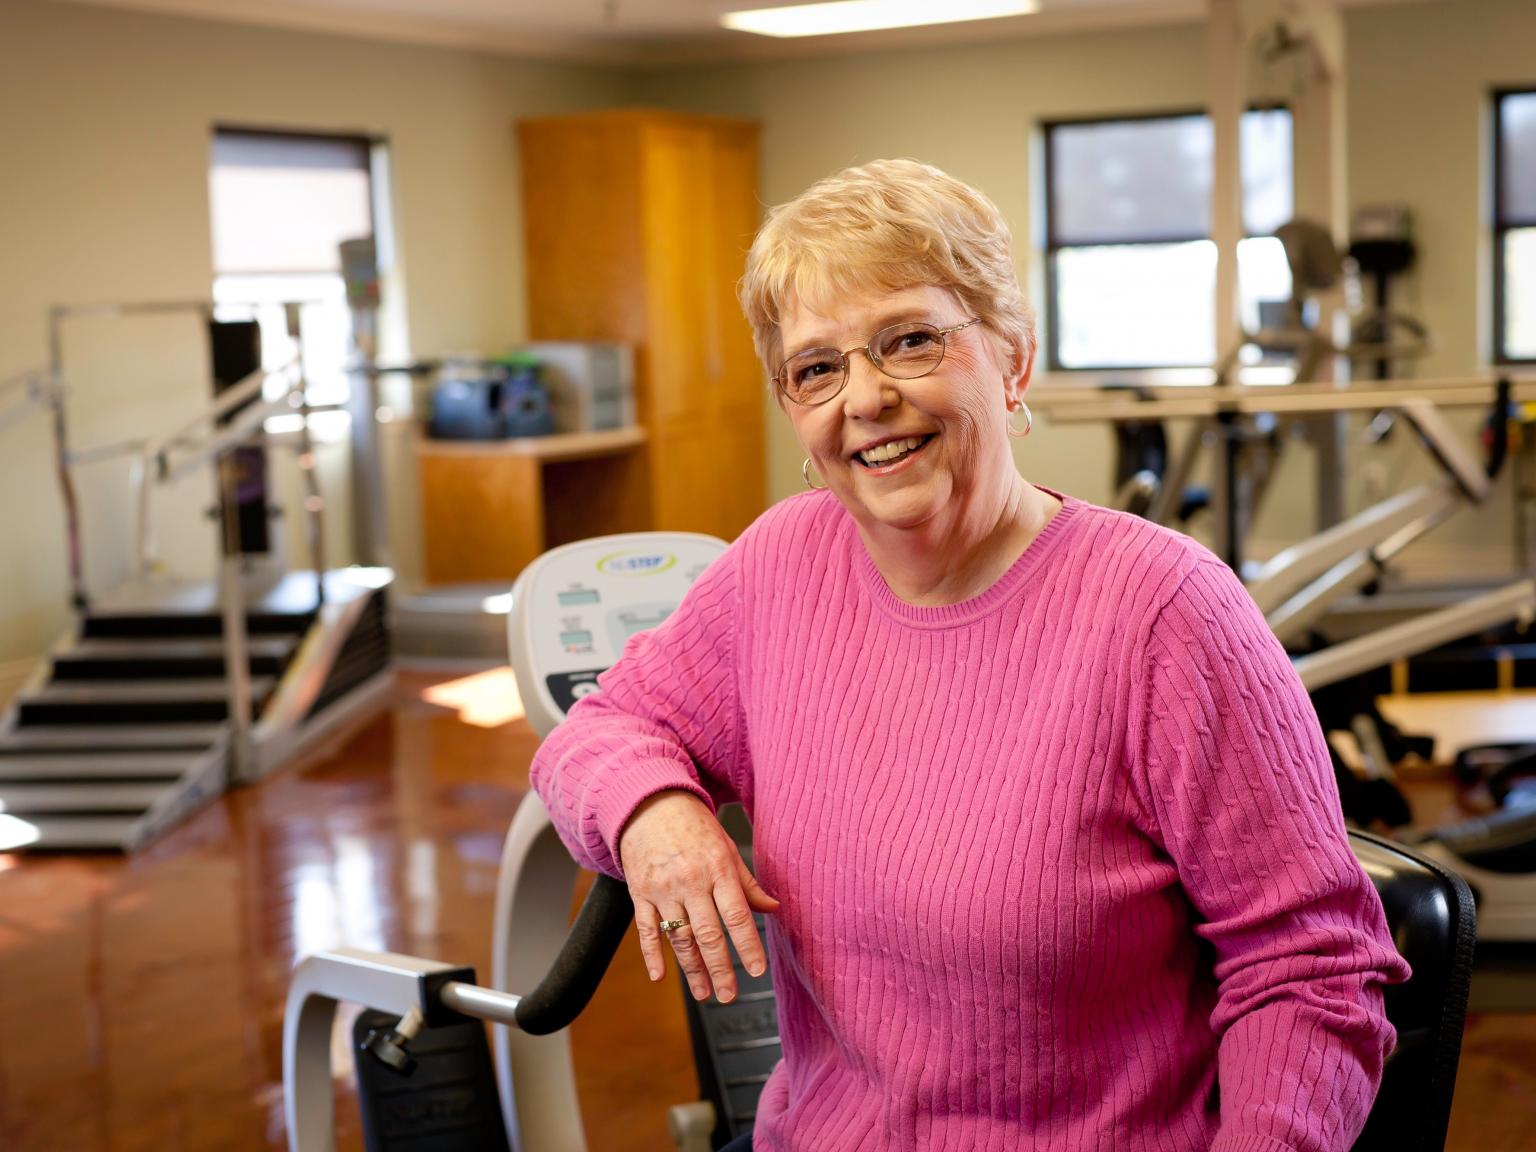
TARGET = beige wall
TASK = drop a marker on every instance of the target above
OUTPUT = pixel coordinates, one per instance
(1417, 84)
(105, 120)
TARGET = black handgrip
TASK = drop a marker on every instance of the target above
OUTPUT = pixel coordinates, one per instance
(563, 993)
(1498, 444)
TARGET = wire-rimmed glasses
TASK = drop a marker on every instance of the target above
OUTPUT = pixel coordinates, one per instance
(902, 351)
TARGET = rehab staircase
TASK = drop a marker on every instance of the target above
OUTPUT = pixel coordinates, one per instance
(125, 731)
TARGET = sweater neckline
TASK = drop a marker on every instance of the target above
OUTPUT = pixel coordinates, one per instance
(984, 603)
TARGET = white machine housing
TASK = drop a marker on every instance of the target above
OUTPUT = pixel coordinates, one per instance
(572, 611)
(574, 608)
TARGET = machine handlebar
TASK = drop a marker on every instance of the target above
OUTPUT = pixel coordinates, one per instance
(1498, 427)
(584, 957)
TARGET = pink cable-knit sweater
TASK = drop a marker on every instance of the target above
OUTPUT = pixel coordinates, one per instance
(1062, 866)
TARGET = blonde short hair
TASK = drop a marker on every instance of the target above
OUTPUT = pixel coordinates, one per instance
(884, 226)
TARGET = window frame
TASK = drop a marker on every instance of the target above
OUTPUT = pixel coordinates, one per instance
(1502, 226)
(1053, 246)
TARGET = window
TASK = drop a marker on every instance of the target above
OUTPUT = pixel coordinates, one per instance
(1514, 227)
(1131, 267)
(282, 203)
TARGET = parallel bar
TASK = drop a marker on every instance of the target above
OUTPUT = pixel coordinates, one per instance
(1294, 568)
(1073, 404)
(1340, 661)
(1207, 402)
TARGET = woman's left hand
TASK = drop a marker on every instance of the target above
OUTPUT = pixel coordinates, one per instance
(683, 868)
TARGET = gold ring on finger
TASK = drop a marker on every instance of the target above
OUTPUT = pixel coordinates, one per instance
(670, 926)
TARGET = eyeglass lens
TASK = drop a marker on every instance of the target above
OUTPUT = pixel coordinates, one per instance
(904, 351)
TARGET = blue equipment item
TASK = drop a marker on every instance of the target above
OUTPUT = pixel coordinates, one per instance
(525, 406)
(490, 401)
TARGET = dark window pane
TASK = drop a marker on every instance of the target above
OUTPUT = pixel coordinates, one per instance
(1520, 294)
(1131, 180)
(1150, 180)
(283, 204)
(1517, 143)
(275, 150)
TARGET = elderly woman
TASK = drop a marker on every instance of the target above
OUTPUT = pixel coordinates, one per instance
(1054, 848)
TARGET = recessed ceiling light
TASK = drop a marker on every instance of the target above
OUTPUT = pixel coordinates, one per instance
(869, 15)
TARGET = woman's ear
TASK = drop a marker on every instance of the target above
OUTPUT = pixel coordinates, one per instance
(1020, 368)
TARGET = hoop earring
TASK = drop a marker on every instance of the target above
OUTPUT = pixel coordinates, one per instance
(805, 471)
(1029, 421)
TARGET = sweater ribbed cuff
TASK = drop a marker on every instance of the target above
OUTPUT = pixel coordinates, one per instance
(628, 789)
(1247, 1142)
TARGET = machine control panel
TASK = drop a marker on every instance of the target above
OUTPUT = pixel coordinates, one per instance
(574, 608)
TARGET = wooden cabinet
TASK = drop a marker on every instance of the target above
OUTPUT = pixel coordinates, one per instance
(637, 225)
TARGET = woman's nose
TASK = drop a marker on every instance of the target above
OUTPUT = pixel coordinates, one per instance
(869, 391)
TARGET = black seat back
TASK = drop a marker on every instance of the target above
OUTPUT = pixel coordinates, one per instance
(1433, 924)
(1431, 916)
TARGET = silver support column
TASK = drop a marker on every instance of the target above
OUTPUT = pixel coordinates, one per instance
(370, 524)
(314, 504)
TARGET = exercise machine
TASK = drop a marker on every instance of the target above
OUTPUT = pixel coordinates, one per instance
(1295, 589)
(572, 612)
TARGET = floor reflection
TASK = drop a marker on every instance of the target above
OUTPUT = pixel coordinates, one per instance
(143, 997)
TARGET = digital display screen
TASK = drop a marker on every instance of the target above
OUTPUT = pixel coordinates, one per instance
(578, 596)
(575, 639)
(633, 622)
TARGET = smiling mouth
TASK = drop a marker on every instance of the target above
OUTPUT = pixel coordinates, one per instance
(891, 452)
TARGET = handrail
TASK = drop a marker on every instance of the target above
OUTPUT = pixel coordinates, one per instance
(237, 414)
(1513, 603)
(172, 459)
(242, 392)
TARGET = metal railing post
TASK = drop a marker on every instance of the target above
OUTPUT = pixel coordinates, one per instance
(75, 557)
(314, 504)
(237, 668)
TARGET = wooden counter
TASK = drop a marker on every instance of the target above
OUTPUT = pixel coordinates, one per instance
(490, 507)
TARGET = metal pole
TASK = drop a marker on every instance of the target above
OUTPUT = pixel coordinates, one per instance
(314, 504)
(1226, 490)
(1224, 58)
(237, 668)
(138, 480)
(76, 560)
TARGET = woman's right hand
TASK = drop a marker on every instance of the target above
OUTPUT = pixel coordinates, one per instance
(682, 865)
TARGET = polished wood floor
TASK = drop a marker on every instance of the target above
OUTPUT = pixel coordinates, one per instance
(142, 999)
